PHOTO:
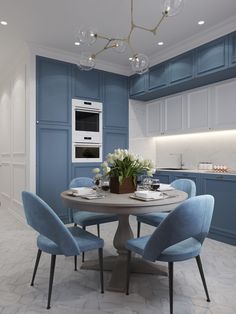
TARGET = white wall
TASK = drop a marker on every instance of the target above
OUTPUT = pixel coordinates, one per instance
(138, 142)
(13, 138)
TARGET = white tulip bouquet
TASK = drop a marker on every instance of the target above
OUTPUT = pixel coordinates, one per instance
(124, 164)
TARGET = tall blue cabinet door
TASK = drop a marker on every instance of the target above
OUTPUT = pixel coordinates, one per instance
(222, 187)
(115, 101)
(86, 84)
(53, 91)
(53, 165)
(114, 139)
(212, 57)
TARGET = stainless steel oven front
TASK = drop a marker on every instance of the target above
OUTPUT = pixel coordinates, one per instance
(85, 152)
(86, 121)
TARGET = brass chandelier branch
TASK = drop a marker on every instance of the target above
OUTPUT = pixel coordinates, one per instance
(139, 62)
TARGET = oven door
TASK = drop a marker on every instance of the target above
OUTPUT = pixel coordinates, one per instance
(87, 125)
(83, 152)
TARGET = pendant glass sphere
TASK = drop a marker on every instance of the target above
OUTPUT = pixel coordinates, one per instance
(171, 7)
(119, 46)
(86, 36)
(139, 63)
(87, 61)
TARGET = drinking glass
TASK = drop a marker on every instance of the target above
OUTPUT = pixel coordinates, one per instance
(155, 184)
(105, 185)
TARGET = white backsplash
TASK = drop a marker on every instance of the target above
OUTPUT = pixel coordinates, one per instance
(216, 147)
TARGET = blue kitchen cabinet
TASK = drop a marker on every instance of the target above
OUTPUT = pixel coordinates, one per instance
(87, 84)
(163, 176)
(212, 57)
(113, 139)
(196, 177)
(53, 165)
(53, 91)
(232, 49)
(222, 187)
(83, 169)
(158, 76)
(138, 84)
(181, 68)
(115, 101)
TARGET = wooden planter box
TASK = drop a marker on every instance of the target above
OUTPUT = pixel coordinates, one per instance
(127, 186)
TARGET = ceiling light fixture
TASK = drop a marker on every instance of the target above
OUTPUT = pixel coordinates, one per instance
(201, 22)
(160, 43)
(139, 62)
(4, 23)
(77, 43)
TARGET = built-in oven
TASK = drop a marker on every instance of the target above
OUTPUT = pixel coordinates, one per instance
(85, 152)
(86, 121)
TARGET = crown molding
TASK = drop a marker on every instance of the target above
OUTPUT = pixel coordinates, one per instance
(189, 43)
(66, 56)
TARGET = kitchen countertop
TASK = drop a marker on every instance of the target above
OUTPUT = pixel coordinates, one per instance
(229, 172)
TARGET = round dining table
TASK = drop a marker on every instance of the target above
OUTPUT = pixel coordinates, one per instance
(124, 205)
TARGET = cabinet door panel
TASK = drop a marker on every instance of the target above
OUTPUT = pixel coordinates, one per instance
(115, 101)
(197, 110)
(191, 176)
(181, 68)
(53, 91)
(223, 225)
(154, 118)
(212, 57)
(232, 51)
(173, 113)
(224, 106)
(158, 76)
(114, 139)
(138, 84)
(87, 84)
(53, 162)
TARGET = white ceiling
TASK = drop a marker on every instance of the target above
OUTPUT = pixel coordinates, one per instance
(54, 23)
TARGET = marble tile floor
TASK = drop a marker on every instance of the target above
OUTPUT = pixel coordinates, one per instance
(78, 292)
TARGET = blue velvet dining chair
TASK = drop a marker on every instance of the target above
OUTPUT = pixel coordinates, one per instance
(178, 237)
(55, 238)
(154, 219)
(84, 218)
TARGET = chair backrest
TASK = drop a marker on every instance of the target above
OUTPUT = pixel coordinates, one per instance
(43, 219)
(80, 182)
(185, 185)
(191, 219)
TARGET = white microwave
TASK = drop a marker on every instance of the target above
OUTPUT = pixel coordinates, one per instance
(86, 121)
(86, 152)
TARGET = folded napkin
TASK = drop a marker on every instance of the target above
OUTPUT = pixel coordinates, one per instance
(82, 191)
(165, 187)
(148, 194)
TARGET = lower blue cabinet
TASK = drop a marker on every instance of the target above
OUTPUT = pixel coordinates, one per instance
(163, 176)
(196, 177)
(223, 188)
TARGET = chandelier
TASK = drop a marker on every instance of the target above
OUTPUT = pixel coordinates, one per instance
(138, 61)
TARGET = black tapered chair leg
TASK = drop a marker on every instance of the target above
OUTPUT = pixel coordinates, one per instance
(75, 225)
(52, 268)
(75, 262)
(84, 228)
(138, 229)
(128, 272)
(100, 254)
(36, 266)
(98, 230)
(171, 272)
(199, 264)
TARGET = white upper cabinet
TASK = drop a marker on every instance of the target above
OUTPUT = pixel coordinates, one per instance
(173, 115)
(197, 110)
(154, 118)
(224, 105)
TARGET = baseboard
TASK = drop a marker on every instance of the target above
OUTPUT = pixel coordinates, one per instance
(223, 235)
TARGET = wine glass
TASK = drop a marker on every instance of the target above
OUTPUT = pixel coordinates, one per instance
(155, 184)
(105, 185)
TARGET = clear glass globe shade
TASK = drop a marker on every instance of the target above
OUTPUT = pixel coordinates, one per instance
(139, 63)
(119, 46)
(86, 36)
(86, 62)
(171, 7)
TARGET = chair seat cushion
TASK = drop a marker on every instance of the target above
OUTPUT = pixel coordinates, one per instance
(86, 241)
(179, 252)
(84, 218)
(153, 219)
